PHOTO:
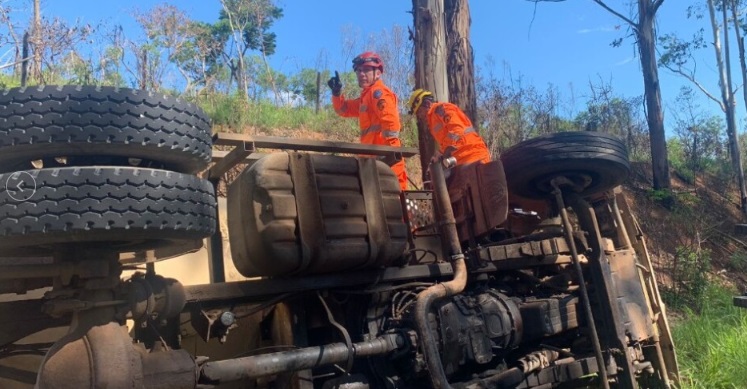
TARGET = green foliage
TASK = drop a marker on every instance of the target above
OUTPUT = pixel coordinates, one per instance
(711, 346)
(253, 19)
(9, 81)
(690, 279)
(676, 52)
(303, 85)
(661, 196)
(700, 137)
(236, 115)
(738, 261)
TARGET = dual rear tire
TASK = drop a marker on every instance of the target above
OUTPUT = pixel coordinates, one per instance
(101, 167)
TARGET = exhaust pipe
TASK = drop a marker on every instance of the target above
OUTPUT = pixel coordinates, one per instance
(428, 297)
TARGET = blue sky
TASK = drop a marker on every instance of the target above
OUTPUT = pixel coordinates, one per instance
(565, 43)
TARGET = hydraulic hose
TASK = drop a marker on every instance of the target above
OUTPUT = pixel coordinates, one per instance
(428, 297)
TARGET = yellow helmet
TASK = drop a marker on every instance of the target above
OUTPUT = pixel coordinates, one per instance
(416, 99)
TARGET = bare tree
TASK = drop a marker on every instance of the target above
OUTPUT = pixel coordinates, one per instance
(264, 12)
(13, 38)
(615, 115)
(396, 51)
(645, 34)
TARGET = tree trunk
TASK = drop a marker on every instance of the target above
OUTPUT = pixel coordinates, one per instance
(36, 70)
(460, 57)
(743, 64)
(727, 105)
(318, 92)
(143, 84)
(241, 80)
(25, 63)
(430, 63)
(652, 92)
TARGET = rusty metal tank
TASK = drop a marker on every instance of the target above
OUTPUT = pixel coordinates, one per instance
(296, 213)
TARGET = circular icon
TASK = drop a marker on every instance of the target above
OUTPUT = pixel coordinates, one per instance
(20, 186)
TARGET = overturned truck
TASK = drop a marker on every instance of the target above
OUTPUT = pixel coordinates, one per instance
(526, 272)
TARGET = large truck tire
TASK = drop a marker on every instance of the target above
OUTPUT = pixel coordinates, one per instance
(593, 161)
(89, 122)
(117, 208)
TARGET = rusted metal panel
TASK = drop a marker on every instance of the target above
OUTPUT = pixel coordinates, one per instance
(271, 142)
(479, 198)
(648, 275)
(630, 295)
(258, 289)
(235, 156)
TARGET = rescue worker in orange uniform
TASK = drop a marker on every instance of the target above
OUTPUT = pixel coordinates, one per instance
(376, 108)
(450, 127)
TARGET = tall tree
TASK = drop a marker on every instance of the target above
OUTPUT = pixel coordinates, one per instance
(171, 35)
(396, 51)
(430, 63)
(677, 57)
(699, 133)
(36, 34)
(243, 25)
(645, 34)
(615, 115)
(727, 95)
(460, 57)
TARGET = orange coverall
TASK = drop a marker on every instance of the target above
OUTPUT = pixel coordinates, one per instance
(378, 117)
(449, 126)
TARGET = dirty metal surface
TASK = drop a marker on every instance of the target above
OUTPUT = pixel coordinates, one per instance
(740, 301)
(271, 142)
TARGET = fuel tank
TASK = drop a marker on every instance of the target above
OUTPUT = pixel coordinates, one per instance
(297, 213)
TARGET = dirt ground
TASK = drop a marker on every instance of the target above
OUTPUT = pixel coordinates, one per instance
(705, 216)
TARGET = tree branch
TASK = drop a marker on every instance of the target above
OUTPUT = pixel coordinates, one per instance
(603, 5)
(619, 15)
(695, 82)
(7, 65)
(657, 4)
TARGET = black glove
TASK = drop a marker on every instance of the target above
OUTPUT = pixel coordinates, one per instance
(390, 158)
(335, 84)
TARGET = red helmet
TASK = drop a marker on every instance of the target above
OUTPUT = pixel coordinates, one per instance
(368, 58)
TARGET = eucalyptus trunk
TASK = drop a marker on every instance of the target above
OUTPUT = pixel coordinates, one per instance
(460, 61)
(652, 92)
(37, 46)
(727, 101)
(430, 64)
(743, 64)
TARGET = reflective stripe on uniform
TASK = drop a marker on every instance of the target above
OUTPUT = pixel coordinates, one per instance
(374, 128)
(390, 134)
(454, 137)
(438, 127)
(469, 130)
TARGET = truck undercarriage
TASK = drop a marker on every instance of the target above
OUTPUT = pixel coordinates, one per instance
(527, 272)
